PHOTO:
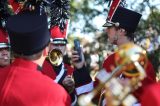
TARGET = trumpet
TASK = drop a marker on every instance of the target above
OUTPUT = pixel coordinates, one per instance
(128, 57)
(55, 56)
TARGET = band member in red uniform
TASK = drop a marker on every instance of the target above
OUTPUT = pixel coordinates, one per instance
(22, 83)
(72, 79)
(121, 24)
(151, 95)
(4, 49)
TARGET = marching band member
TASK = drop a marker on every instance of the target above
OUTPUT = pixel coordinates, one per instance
(4, 49)
(72, 79)
(121, 24)
(22, 83)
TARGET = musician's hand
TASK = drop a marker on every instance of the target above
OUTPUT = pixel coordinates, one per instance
(75, 57)
(69, 83)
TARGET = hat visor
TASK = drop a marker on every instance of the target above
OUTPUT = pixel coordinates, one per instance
(4, 45)
(58, 41)
(108, 24)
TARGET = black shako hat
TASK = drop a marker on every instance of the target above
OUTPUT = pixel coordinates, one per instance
(28, 32)
(123, 18)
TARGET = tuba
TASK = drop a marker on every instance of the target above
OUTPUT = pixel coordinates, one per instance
(128, 57)
(55, 57)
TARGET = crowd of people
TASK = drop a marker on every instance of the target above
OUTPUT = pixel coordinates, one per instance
(37, 73)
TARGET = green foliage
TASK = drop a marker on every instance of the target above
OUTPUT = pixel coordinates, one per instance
(83, 10)
(153, 19)
(154, 57)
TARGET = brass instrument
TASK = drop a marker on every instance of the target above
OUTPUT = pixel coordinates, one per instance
(128, 57)
(55, 57)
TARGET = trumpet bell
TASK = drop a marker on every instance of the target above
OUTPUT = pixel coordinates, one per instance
(55, 57)
(127, 54)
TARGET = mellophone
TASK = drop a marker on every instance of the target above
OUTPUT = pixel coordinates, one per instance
(131, 61)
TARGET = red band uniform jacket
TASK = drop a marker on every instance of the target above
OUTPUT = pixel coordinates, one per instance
(151, 95)
(83, 81)
(22, 84)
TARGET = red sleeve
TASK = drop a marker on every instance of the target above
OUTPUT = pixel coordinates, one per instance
(69, 69)
(151, 95)
(151, 75)
(109, 63)
(150, 79)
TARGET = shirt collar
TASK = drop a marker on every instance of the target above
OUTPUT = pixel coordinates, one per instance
(20, 62)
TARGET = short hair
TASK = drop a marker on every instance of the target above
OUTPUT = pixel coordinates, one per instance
(30, 57)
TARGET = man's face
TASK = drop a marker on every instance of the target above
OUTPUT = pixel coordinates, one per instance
(112, 34)
(4, 57)
(61, 47)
